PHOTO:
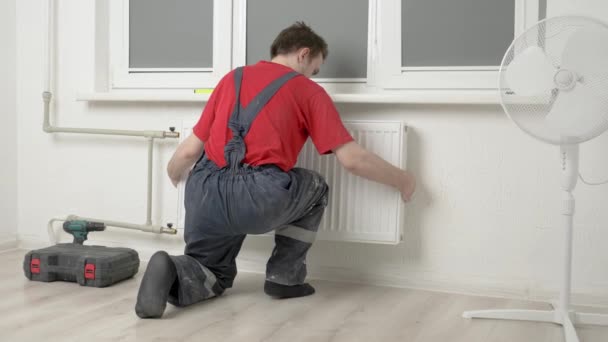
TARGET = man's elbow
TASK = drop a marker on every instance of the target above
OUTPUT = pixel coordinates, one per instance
(189, 155)
(352, 161)
(351, 164)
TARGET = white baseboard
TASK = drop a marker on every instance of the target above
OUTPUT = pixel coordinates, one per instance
(8, 242)
(429, 281)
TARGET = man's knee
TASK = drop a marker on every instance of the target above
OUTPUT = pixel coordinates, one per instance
(319, 187)
(322, 189)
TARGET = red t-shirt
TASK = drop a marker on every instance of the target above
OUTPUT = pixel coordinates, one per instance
(301, 108)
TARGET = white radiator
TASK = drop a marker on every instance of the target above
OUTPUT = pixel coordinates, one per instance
(358, 210)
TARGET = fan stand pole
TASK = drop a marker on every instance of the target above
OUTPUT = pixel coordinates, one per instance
(561, 313)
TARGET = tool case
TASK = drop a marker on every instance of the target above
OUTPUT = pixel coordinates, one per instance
(95, 266)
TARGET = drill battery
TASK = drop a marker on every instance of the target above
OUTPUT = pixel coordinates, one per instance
(95, 266)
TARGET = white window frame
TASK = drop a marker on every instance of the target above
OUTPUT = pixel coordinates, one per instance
(239, 49)
(386, 59)
(124, 77)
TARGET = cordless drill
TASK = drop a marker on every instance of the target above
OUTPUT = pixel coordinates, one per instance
(80, 229)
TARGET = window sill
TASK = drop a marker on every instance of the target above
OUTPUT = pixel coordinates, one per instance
(406, 97)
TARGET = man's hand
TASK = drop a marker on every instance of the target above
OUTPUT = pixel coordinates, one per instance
(185, 156)
(407, 186)
(175, 182)
(361, 162)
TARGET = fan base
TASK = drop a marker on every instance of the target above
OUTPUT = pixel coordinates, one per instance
(567, 319)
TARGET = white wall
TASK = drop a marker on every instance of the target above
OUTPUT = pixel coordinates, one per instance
(8, 113)
(485, 219)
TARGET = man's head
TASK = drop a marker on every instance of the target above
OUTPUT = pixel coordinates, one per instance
(300, 48)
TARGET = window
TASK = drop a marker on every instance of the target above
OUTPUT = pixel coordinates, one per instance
(258, 22)
(165, 34)
(436, 44)
(176, 44)
(475, 34)
(374, 45)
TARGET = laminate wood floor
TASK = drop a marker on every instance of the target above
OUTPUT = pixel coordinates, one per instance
(34, 311)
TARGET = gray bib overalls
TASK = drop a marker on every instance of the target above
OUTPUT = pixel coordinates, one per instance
(223, 205)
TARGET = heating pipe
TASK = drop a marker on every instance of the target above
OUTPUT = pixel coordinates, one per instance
(150, 135)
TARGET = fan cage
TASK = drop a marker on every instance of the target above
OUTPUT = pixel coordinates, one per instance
(529, 112)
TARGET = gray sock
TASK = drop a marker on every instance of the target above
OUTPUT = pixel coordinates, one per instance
(285, 291)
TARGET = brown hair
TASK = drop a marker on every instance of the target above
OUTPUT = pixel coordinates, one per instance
(297, 36)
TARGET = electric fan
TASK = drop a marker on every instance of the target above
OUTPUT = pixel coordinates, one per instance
(554, 85)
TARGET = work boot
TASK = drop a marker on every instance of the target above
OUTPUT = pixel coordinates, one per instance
(155, 286)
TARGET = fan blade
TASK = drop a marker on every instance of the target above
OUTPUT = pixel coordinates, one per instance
(578, 114)
(530, 73)
(586, 51)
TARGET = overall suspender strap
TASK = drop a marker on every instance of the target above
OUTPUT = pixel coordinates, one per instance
(242, 118)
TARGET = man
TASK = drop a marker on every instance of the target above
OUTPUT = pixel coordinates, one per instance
(244, 149)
